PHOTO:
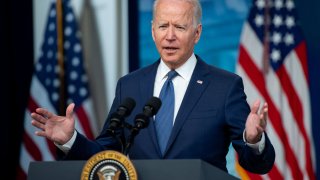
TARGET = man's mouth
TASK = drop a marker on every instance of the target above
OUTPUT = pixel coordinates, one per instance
(170, 49)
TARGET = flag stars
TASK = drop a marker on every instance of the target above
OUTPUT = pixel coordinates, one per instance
(260, 4)
(290, 22)
(56, 83)
(75, 61)
(258, 20)
(71, 89)
(50, 40)
(54, 96)
(289, 5)
(276, 38)
(66, 44)
(53, 13)
(38, 67)
(49, 68)
(67, 31)
(278, 4)
(49, 54)
(69, 17)
(83, 92)
(73, 75)
(52, 27)
(275, 55)
(77, 48)
(288, 39)
(277, 21)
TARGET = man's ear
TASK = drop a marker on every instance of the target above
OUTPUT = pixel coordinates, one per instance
(198, 33)
(152, 29)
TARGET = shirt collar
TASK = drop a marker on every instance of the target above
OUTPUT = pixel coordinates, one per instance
(185, 71)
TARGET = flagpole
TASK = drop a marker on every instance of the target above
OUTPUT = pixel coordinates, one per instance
(60, 57)
(266, 38)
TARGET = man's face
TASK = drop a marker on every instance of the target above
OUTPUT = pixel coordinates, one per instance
(174, 32)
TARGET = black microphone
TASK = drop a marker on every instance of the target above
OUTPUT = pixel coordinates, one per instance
(150, 109)
(117, 118)
(142, 120)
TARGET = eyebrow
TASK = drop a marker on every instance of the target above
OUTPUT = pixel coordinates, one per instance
(174, 24)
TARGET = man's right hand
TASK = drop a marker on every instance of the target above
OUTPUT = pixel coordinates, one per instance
(58, 129)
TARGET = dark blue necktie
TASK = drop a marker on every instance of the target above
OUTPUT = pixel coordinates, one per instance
(164, 118)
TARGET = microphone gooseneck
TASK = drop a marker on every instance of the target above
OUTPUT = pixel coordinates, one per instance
(142, 120)
(117, 118)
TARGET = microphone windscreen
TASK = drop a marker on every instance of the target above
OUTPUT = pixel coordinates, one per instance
(155, 104)
(128, 104)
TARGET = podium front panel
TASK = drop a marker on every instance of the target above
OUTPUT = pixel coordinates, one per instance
(147, 169)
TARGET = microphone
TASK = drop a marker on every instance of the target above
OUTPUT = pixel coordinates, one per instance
(150, 109)
(117, 118)
(142, 120)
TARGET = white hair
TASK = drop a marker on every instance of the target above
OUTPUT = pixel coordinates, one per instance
(197, 10)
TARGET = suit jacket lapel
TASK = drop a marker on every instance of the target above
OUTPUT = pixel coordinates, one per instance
(198, 83)
(147, 83)
(146, 89)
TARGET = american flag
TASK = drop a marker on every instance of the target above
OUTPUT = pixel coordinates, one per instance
(273, 63)
(45, 86)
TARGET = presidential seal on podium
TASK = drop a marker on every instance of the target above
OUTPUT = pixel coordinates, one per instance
(109, 165)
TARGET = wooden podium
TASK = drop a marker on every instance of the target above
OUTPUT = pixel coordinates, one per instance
(188, 169)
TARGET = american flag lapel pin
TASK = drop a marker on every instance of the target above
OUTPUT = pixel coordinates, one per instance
(199, 81)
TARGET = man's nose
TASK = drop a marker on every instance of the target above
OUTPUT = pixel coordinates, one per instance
(170, 36)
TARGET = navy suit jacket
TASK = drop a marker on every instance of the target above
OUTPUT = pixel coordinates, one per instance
(212, 115)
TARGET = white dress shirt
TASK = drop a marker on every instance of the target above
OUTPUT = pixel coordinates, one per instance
(180, 82)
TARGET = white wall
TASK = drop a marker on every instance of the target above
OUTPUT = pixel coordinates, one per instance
(112, 29)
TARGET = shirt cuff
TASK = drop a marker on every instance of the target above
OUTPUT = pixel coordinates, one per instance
(257, 147)
(67, 146)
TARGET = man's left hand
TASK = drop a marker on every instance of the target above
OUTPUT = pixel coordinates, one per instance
(256, 122)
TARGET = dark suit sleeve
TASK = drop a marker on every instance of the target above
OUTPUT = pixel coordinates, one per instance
(83, 148)
(237, 110)
(260, 164)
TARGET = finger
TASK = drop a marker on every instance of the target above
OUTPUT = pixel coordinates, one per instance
(44, 112)
(40, 133)
(260, 129)
(264, 108)
(38, 117)
(255, 106)
(265, 113)
(262, 124)
(69, 111)
(263, 116)
(265, 105)
(38, 125)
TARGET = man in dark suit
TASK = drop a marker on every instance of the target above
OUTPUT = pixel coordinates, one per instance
(209, 112)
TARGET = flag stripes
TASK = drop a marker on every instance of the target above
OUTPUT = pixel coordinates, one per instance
(46, 84)
(284, 86)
